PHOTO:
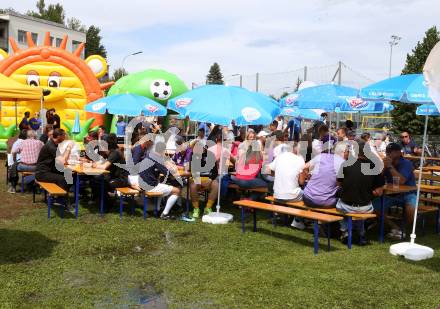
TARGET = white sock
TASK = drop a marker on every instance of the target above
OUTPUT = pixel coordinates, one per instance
(170, 203)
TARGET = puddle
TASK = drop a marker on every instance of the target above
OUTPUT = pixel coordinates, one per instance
(145, 297)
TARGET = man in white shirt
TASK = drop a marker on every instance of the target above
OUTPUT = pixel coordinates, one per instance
(288, 169)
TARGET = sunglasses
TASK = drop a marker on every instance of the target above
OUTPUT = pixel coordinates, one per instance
(404, 136)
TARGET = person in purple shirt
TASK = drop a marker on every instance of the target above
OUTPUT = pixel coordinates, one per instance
(183, 152)
(321, 189)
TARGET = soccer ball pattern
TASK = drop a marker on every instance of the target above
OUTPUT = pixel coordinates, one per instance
(161, 89)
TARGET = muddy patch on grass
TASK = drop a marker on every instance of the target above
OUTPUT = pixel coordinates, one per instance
(143, 296)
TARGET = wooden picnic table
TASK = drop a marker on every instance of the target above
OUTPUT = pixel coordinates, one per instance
(432, 168)
(417, 158)
(390, 189)
(80, 170)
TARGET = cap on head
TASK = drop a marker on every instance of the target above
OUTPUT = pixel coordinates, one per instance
(393, 147)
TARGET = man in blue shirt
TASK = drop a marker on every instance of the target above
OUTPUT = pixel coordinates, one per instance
(398, 168)
(408, 145)
(35, 122)
(120, 127)
(294, 127)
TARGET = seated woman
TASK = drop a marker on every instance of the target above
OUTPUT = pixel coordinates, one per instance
(118, 177)
(182, 156)
(248, 165)
(321, 189)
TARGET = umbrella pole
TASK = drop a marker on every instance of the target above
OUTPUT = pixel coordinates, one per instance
(16, 124)
(220, 177)
(413, 234)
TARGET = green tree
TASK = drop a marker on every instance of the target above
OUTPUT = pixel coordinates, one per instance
(404, 117)
(53, 12)
(93, 42)
(118, 73)
(215, 75)
(75, 24)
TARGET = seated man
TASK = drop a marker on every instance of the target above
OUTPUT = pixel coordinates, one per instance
(288, 169)
(182, 156)
(48, 160)
(358, 188)
(154, 165)
(409, 147)
(321, 189)
(29, 150)
(397, 167)
(208, 180)
(118, 177)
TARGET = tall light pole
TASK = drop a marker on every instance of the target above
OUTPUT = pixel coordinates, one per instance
(241, 79)
(125, 57)
(394, 41)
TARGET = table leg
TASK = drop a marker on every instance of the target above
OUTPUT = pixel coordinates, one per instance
(254, 215)
(242, 219)
(328, 237)
(403, 224)
(350, 231)
(145, 206)
(381, 219)
(101, 206)
(187, 197)
(76, 194)
(438, 220)
(49, 206)
(315, 237)
(121, 201)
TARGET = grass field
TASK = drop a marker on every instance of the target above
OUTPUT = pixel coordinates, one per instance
(96, 262)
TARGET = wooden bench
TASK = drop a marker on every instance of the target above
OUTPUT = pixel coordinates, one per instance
(238, 188)
(306, 214)
(124, 192)
(332, 211)
(52, 190)
(23, 175)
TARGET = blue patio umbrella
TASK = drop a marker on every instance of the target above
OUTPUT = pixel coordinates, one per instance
(327, 97)
(76, 126)
(289, 100)
(312, 114)
(408, 88)
(357, 105)
(221, 104)
(427, 110)
(127, 105)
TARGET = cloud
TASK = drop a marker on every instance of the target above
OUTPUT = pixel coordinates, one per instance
(246, 37)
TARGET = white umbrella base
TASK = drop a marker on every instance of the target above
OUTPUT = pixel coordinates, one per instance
(413, 252)
(217, 218)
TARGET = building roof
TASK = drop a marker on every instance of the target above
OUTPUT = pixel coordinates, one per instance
(35, 19)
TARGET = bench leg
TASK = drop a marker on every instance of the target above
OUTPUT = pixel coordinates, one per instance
(101, 205)
(145, 207)
(132, 208)
(121, 201)
(156, 206)
(22, 183)
(254, 217)
(403, 224)
(49, 206)
(187, 197)
(62, 209)
(315, 236)
(328, 237)
(350, 231)
(381, 220)
(242, 219)
(76, 194)
(438, 220)
(33, 193)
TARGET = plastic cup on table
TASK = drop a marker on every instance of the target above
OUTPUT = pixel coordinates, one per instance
(396, 182)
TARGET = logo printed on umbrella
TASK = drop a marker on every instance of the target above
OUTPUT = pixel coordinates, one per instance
(98, 106)
(250, 114)
(151, 108)
(289, 110)
(183, 102)
(357, 103)
(290, 100)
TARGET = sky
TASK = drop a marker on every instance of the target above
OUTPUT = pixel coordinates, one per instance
(249, 36)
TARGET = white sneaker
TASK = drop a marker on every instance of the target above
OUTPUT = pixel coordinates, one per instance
(11, 189)
(395, 233)
(298, 225)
